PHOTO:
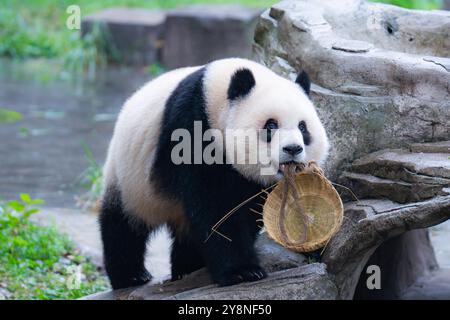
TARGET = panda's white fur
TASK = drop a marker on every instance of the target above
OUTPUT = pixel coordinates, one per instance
(133, 192)
(132, 150)
(135, 138)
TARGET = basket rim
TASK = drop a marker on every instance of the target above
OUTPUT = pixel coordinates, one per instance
(308, 245)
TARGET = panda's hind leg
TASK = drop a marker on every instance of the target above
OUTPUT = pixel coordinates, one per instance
(124, 243)
(185, 256)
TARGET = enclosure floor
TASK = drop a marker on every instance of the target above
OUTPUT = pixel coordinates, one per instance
(433, 287)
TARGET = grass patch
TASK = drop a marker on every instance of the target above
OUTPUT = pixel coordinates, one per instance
(92, 180)
(414, 4)
(9, 116)
(39, 262)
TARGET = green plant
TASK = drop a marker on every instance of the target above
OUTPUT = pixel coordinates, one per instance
(36, 261)
(87, 53)
(414, 4)
(9, 116)
(18, 39)
(92, 180)
(92, 177)
(155, 69)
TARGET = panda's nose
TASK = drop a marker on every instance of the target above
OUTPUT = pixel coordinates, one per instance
(293, 149)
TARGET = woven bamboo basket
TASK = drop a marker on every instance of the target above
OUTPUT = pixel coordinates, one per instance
(312, 211)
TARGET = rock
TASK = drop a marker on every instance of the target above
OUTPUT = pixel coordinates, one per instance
(370, 223)
(197, 34)
(436, 147)
(446, 5)
(310, 282)
(275, 257)
(376, 70)
(133, 36)
(406, 166)
(368, 186)
(301, 283)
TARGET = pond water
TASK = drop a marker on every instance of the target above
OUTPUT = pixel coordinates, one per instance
(43, 154)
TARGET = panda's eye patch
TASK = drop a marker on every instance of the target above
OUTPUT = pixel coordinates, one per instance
(269, 128)
(302, 127)
(271, 124)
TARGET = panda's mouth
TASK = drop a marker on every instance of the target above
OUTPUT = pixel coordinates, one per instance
(287, 164)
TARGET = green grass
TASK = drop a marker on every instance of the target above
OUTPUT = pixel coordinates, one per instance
(39, 262)
(414, 4)
(90, 179)
(9, 116)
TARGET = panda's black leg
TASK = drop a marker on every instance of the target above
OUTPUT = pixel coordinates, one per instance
(229, 262)
(124, 243)
(185, 257)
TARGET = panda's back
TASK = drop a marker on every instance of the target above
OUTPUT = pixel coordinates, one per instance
(132, 148)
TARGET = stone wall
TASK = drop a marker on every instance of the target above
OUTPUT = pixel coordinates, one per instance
(381, 73)
(187, 36)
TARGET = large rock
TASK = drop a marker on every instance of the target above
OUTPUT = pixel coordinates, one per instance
(401, 175)
(197, 34)
(308, 282)
(405, 165)
(381, 73)
(368, 186)
(436, 147)
(132, 36)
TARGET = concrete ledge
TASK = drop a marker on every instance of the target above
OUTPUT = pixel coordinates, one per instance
(197, 34)
(134, 34)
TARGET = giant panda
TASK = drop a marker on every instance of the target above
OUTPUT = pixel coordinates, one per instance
(144, 188)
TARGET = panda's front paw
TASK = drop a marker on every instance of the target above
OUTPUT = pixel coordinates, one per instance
(138, 279)
(241, 274)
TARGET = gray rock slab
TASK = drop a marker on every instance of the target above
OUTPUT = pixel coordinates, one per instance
(133, 36)
(368, 186)
(436, 147)
(198, 34)
(308, 282)
(401, 164)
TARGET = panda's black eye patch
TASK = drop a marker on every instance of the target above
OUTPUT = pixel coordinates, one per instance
(271, 124)
(302, 127)
(305, 133)
(269, 129)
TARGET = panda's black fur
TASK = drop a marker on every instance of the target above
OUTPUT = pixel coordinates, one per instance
(124, 242)
(207, 193)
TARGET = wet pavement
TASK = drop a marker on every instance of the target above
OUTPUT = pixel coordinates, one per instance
(43, 153)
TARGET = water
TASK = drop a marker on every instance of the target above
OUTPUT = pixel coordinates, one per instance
(43, 153)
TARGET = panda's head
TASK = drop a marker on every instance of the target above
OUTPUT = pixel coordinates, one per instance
(254, 99)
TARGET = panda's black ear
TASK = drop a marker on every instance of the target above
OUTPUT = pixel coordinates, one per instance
(304, 82)
(241, 84)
